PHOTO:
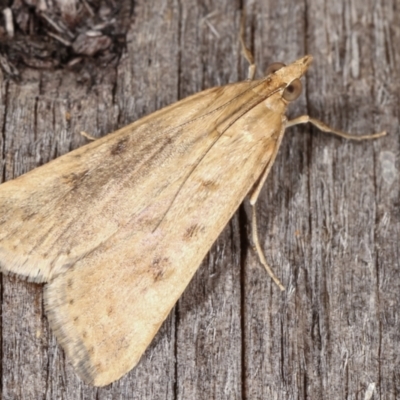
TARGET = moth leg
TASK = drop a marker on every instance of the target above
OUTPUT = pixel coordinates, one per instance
(256, 241)
(303, 119)
(253, 199)
(255, 192)
(248, 55)
(88, 136)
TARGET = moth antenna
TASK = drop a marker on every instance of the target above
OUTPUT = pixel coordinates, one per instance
(245, 50)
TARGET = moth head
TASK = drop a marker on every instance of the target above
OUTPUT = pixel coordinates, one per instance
(290, 76)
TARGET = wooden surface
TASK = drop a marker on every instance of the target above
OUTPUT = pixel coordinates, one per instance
(329, 214)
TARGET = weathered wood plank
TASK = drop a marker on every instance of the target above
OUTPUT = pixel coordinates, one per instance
(328, 216)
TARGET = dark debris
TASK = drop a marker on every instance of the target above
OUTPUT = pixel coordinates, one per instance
(73, 34)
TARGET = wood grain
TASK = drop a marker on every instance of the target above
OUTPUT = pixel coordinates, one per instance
(329, 214)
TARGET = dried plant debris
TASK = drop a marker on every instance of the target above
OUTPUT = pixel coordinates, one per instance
(48, 34)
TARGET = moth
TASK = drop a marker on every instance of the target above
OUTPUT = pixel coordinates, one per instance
(117, 228)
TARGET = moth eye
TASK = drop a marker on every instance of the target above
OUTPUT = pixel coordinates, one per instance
(274, 67)
(292, 91)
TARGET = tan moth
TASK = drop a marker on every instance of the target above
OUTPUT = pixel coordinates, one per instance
(118, 227)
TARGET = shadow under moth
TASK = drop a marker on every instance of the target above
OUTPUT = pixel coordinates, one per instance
(117, 228)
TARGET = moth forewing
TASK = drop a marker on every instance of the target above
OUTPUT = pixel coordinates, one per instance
(119, 227)
(106, 338)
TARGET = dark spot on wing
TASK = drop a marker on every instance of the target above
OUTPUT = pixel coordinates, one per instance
(74, 179)
(210, 185)
(28, 215)
(158, 267)
(191, 232)
(119, 147)
(99, 367)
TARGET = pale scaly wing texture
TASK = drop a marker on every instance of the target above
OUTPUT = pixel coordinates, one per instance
(119, 226)
(56, 214)
(106, 309)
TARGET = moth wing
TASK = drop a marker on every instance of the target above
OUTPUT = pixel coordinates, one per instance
(119, 226)
(106, 309)
(58, 213)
